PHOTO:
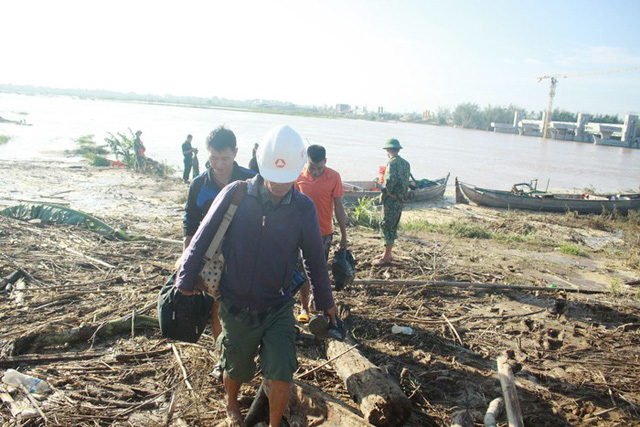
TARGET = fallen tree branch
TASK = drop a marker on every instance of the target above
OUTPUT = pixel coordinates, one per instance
(493, 412)
(182, 368)
(304, 374)
(36, 359)
(488, 286)
(38, 340)
(509, 391)
(19, 408)
(34, 402)
(142, 355)
(96, 260)
(453, 330)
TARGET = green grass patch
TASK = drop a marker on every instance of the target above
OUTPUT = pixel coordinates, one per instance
(88, 148)
(572, 250)
(365, 214)
(460, 229)
(4, 139)
(471, 231)
(616, 286)
(96, 160)
(422, 225)
(512, 237)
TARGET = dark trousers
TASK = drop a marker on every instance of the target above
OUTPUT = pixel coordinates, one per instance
(188, 162)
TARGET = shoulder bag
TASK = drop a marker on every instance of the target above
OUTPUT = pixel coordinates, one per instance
(183, 317)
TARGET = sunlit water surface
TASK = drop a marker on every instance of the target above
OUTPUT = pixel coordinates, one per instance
(353, 146)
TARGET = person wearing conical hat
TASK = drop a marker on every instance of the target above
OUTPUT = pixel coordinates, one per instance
(394, 193)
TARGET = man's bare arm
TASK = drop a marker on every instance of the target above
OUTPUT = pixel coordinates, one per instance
(341, 217)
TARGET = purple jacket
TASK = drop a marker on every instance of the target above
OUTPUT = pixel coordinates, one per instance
(261, 249)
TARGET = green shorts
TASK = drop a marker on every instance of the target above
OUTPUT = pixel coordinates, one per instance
(271, 335)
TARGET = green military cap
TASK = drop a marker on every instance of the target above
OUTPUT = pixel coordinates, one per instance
(393, 144)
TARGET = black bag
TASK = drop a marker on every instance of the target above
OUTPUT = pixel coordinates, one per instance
(182, 317)
(343, 267)
(297, 280)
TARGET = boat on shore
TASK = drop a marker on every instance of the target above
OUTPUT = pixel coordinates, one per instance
(527, 197)
(427, 190)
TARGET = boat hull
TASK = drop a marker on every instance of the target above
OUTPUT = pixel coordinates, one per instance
(546, 202)
(356, 190)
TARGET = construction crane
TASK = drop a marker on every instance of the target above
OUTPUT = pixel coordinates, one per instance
(554, 81)
(552, 93)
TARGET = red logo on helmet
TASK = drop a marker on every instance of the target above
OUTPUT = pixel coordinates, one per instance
(280, 163)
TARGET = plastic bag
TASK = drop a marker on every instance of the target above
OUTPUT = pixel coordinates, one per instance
(344, 269)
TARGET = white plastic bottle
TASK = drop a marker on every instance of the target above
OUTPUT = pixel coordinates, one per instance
(34, 385)
(405, 330)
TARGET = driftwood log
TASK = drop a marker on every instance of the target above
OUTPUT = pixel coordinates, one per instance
(381, 400)
(44, 339)
(308, 406)
(493, 412)
(509, 391)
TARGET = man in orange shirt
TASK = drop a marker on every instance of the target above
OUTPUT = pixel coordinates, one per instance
(324, 186)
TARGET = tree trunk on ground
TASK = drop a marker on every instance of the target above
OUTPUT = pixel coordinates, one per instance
(43, 339)
(381, 400)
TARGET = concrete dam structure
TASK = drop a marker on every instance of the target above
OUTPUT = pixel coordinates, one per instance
(624, 135)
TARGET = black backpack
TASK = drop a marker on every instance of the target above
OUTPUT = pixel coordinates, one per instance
(343, 268)
(182, 317)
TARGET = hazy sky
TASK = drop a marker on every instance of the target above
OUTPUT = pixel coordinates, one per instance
(402, 55)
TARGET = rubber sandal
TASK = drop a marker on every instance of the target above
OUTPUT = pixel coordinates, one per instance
(303, 318)
(217, 372)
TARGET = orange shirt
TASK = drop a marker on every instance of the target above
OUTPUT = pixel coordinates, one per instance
(322, 191)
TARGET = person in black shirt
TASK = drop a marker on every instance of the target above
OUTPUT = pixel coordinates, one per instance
(187, 152)
(222, 169)
(253, 163)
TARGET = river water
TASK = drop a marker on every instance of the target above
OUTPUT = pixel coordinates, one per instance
(353, 146)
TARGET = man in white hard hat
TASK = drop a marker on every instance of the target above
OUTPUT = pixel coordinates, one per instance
(272, 223)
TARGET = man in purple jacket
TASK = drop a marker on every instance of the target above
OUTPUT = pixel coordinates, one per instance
(273, 222)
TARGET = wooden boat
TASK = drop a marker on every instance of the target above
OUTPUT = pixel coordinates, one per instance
(356, 190)
(524, 196)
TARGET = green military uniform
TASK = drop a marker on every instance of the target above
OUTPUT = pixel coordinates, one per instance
(394, 194)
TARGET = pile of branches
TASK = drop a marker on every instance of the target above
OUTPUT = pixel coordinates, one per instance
(77, 309)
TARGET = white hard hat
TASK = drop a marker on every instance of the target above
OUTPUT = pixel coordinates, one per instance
(281, 155)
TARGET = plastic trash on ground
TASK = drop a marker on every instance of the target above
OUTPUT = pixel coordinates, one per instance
(34, 385)
(404, 330)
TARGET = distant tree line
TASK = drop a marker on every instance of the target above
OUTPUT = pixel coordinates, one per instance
(567, 116)
(470, 115)
(467, 115)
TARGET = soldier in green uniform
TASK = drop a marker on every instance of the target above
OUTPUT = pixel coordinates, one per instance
(394, 193)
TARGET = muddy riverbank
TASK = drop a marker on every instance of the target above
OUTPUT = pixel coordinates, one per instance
(578, 352)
